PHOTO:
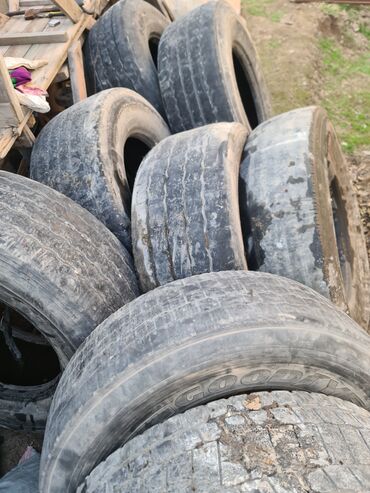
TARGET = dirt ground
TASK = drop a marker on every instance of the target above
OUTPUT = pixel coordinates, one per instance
(319, 54)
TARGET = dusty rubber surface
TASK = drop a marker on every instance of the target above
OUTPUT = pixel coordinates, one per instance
(211, 75)
(300, 215)
(267, 442)
(91, 151)
(185, 208)
(121, 50)
(189, 342)
(63, 271)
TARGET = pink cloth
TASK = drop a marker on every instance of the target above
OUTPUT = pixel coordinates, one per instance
(21, 75)
(27, 89)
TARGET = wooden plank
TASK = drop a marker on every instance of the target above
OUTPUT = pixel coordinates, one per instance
(26, 139)
(25, 27)
(76, 71)
(56, 55)
(70, 8)
(63, 73)
(7, 94)
(13, 5)
(33, 38)
(26, 4)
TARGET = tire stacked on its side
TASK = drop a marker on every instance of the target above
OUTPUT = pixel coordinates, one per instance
(271, 377)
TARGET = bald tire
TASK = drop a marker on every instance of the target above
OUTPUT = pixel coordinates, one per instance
(81, 153)
(211, 75)
(300, 215)
(63, 271)
(117, 51)
(185, 209)
(266, 442)
(189, 342)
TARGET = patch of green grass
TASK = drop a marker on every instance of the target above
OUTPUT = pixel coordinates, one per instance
(348, 115)
(274, 44)
(365, 30)
(348, 111)
(329, 9)
(276, 16)
(340, 66)
(255, 7)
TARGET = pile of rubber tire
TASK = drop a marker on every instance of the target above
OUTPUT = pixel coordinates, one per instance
(200, 319)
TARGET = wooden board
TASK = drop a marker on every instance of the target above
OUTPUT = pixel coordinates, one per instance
(7, 39)
(70, 8)
(77, 74)
(55, 53)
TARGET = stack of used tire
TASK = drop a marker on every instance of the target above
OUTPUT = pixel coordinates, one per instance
(217, 378)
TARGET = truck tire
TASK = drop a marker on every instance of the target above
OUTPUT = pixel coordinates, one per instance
(189, 342)
(91, 152)
(121, 50)
(300, 216)
(64, 272)
(26, 408)
(265, 442)
(211, 75)
(185, 209)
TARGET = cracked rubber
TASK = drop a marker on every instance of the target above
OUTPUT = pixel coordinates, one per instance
(80, 153)
(117, 51)
(63, 271)
(185, 209)
(268, 442)
(196, 70)
(190, 342)
(290, 166)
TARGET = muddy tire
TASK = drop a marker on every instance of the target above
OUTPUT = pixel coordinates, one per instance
(265, 442)
(64, 272)
(211, 75)
(185, 210)
(91, 152)
(189, 342)
(121, 50)
(300, 216)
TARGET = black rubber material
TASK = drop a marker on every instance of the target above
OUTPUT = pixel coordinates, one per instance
(185, 209)
(211, 74)
(266, 442)
(62, 270)
(121, 50)
(91, 151)
(300, 215)
(189, 342)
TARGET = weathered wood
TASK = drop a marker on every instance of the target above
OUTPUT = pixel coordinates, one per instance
(63, 74)
(76, 71)
(56, 55)
(26, 139)
(11, 111)
(13, 5)
(70, 8)
(33, 38)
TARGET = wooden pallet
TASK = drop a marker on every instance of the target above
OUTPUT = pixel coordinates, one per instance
(36, 39)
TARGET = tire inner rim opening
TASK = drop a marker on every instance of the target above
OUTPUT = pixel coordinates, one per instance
(341, 233)
(153, 47)
(27, 359)
(133, 153)
(245, 89)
